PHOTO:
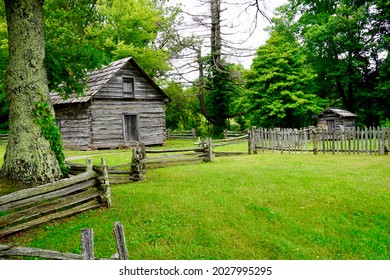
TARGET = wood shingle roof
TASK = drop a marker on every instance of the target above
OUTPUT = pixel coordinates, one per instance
(339, 112)
(98, 78)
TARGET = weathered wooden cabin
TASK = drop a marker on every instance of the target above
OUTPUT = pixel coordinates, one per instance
(336, 119)
(122, 106)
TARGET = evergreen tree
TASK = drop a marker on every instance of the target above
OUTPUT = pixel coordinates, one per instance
(279, 84)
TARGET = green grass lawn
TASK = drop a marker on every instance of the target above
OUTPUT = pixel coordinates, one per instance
(265, 206)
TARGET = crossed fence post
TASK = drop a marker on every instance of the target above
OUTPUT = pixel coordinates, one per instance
(138, 164)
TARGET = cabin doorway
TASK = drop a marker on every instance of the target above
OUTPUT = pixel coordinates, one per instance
(130, 128)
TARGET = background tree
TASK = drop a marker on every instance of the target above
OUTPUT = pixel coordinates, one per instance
(279, 84)
(209, 57)
(141, 29)
(344, 43)
(381, 24)
(72, 43)
(183, 113)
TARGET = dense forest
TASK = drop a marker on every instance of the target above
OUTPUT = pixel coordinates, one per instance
(321, 53)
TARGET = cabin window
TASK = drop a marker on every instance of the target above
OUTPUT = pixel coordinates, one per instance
(128, 87)
(130, 128)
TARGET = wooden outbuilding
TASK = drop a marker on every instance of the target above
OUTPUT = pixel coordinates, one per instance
(336, 119)
(122, 107)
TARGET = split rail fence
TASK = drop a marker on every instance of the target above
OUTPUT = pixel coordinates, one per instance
(34, 206)
(143, 159)
(233, 134)
(3, 138)
(191, 134)
(87, 248)
(183, 134)
(231, 142)
(372, 140)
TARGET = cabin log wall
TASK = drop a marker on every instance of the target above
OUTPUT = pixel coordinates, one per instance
(107, 121)
(74, 121)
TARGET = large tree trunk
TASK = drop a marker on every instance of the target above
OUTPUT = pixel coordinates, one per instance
(29, 160)
(216, 39)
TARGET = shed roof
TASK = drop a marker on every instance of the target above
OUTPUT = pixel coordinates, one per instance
(339, 112)
(100, 77)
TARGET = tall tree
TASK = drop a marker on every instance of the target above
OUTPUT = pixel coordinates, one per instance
(215, 80)
(29, 159)
(279, 84)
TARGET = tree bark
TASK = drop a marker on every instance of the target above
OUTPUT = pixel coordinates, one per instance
(201, 88)
(216, 39)
(29, 160)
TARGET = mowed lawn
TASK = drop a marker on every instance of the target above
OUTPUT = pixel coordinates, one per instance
(265, 206)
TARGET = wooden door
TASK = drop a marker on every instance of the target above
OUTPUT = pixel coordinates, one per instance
(331, 124)
(130, 128)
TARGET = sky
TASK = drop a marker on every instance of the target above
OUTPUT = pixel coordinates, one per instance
(240, 24)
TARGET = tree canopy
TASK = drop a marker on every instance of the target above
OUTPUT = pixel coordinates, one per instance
(280, 84)
(346, 42)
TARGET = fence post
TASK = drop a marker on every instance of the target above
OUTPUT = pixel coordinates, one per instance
(386, 136)
(87, 244)
(314, 139)
(120, 240)
(88, 164)
(202, 144)
(193, 134)
(209, 150)
(252, 140)
(105, 184)
(137, 164)
(279, 143)
(249, 133)
(168, 134)
(143, 157)
(225, 133)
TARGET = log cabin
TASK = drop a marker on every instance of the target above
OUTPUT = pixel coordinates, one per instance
(336, 119)
(121, 107)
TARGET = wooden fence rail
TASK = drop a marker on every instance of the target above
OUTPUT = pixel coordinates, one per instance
(3, 138)
(183, 134)
(233, 141)
(170, 157)
(34, 206)
(87, 248)
(351, 141)
(233, 133)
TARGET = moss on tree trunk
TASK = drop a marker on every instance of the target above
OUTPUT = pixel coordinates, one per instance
(29, 159)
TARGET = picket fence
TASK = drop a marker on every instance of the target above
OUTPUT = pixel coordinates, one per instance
(35, 206)
(371, 140)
